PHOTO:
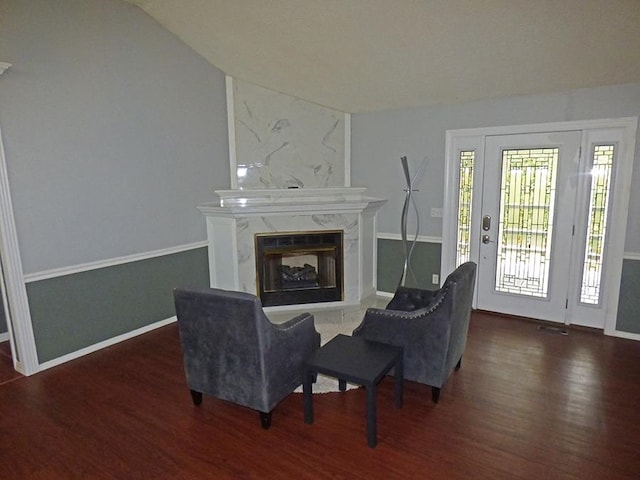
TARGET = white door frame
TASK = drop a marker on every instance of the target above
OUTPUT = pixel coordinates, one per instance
(23, 346)
(473, 138)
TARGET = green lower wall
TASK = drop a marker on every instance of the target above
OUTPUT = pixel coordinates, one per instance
(78, 310)
(629, 304)
(426, 261)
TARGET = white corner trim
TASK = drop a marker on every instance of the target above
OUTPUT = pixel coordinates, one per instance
(106, 343)
(85, 267)
(347, 150)
(397, 236)
(4, 66)
(231, 128)
(19, 325)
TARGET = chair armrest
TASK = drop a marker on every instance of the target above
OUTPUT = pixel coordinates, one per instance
(385, 325)
(422, 333)
(298, 335)
(425, 326)
(292, 323)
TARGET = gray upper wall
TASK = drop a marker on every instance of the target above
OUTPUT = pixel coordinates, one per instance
(114, 130)
(380, 139)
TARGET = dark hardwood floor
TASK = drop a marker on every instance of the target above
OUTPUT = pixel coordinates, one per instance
(526, 404)
(7, 372)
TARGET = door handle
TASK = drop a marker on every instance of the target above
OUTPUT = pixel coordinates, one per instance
(486, 223)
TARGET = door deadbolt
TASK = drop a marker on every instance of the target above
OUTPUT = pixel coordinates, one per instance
(486, 239)
(486, 223)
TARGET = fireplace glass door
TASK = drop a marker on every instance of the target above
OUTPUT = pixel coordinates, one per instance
(298, 268)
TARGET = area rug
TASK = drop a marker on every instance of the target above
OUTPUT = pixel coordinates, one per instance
(329, 323)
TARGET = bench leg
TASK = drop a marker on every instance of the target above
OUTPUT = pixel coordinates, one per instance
(196, 397)
(372, 428)
(307, 396)
(435, 394)
(399, 386)
(265, 420)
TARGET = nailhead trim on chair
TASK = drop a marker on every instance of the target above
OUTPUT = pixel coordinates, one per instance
(302, 317)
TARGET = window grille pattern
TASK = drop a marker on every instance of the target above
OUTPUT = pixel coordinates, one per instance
(525, 231)
(465, 189)
(598, 202)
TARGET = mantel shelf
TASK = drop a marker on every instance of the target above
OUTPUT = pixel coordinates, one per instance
(303, 201)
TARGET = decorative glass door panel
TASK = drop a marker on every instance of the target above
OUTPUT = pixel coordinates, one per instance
(465, 196)
(598, 214)
(525, 232)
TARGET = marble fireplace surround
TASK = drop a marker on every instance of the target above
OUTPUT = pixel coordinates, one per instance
(290, 172)
(239, 215)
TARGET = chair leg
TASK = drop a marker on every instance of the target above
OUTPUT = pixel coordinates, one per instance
(459, 364)
(196, 397)
(265, 419)
(435, 394)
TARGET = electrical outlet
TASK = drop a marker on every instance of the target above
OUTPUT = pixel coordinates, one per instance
(436, 212)
(435, 279)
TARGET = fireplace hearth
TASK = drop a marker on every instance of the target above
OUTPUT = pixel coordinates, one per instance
(299, 267)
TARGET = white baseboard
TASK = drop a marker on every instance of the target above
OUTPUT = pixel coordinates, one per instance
(106, 343)
(627, 335)
(4, 337)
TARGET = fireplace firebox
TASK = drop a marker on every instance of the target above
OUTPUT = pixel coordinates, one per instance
(300, 267)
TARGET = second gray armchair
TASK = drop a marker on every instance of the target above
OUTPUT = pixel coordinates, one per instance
(431, 325)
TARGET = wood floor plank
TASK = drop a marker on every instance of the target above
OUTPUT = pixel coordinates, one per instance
(7, 372)
(526, 404)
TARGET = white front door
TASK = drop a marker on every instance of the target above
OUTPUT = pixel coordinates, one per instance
(526, 230)
(542, 209)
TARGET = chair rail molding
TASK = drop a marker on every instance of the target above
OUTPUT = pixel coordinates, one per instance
(110, 262)
(419, 238)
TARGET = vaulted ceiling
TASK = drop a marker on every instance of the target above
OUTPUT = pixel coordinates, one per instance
(366, 55)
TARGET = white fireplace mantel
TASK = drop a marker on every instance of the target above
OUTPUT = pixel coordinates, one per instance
(298, 201)
(233, 222)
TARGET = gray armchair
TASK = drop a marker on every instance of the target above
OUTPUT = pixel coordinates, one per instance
(432, 327)
(233, 352)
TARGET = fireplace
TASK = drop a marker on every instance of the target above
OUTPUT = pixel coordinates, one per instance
(299, 267)
(307, 218)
